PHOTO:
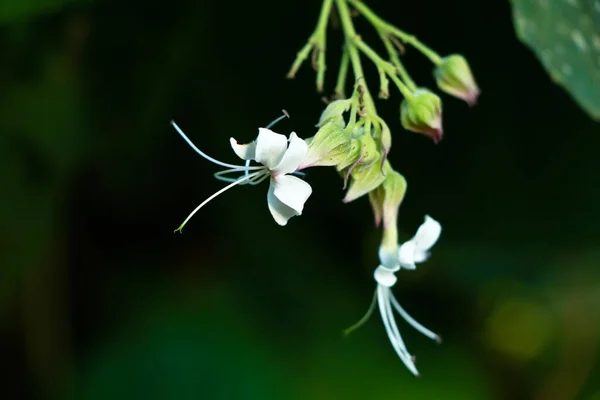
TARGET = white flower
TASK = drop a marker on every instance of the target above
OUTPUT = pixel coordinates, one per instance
(409, 253)
(413, 251)
(287, 194)
(416, 250)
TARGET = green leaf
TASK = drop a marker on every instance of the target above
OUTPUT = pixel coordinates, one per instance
(565, 36)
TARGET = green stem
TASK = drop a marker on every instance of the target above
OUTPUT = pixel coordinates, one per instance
(393, 54)
(382, 25)
(386, 66)
(342, 76)
(316, 42)
(350, 33)
(321, 40)
(384, 91)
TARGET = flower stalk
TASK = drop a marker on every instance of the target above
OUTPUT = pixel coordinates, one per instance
(316, 44)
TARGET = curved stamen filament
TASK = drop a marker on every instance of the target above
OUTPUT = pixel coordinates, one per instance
(276, 120)
(412, 321)
(220, 175)
(209, 158)
(364, 318)
(387, 317)
(258, 179)
(392, 329)
(237, 182)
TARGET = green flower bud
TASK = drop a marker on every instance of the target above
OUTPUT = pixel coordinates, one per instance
(454, 77)
(422, 113)
(364, 179)
(385, 201)
(334, 111)
(368, 150)
(331, 145)
(385, 141)
(394, 188)
(352, 156)
(368, 154)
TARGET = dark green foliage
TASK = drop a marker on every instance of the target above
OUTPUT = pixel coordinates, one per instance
(565, 36)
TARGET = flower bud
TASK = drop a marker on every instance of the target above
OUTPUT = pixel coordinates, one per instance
(394, 188)
(352, 156)
(454, 77)
(365, 178)
(422, 113)
(334, 111)
(385, 141)
(368, 154)
(331, 145)
(368, 150)
(385, 199)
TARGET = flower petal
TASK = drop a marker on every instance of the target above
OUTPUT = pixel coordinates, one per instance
(293, 156)
(385, 277)
(270, 147)
(280, 212)
(406, 254)
(291, 191)
(244, 151)
(426, 236)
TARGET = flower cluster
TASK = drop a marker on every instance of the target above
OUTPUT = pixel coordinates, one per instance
(358, 158)
(356, 141)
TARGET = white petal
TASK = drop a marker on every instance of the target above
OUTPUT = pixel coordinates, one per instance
(384, 276)
(426, 236)
(294, 155)
(280, 212)
(244, 151)
(291, 191)
(270, 147)
(406, 254)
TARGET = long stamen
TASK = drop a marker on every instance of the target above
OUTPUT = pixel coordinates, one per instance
(258, 179)
(364, 318)
(220, 175)
(405, 356)
(394, 335)
(209, 158)
(247, 165)
(237, 182)
(272, 123)
(412, 321)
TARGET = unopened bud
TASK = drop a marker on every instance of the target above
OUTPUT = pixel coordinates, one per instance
(385, 141)
(386, 200)
(334, 112)
(422, 113)
(454, 77)
(364, 180)
(368, 154)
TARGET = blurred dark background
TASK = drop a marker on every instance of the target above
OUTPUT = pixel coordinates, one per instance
(99, 299)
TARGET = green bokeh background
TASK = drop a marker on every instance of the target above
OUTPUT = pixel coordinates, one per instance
(100, 300)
